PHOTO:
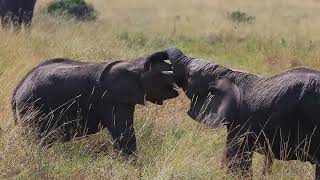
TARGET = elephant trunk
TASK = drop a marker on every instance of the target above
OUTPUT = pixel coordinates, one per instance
(180, 65)
(154, 59)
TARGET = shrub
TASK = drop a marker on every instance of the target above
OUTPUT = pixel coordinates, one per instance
(77, 9)
(240, 17)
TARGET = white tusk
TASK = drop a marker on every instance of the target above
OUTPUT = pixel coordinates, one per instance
(167, 72)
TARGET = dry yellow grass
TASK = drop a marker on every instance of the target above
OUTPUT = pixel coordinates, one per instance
(171, 145)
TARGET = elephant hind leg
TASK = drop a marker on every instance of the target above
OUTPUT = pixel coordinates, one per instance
(317, 171)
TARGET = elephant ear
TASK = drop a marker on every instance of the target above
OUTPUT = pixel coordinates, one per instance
(121, 85)
(224, 104)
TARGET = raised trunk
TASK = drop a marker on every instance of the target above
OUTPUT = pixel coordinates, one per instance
(180, 65)
(184, 66)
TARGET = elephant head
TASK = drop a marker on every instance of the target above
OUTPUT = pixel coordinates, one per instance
(214, 100)
(146, 79)
(158, 79)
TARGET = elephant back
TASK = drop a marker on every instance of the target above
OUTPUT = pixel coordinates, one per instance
(60, 82)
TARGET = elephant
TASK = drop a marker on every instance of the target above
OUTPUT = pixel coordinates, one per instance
(17, 12)
(69, 99)
(277, 115)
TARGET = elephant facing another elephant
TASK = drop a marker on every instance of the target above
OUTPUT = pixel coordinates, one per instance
(277, 116)
(17, 12)
(77, 98)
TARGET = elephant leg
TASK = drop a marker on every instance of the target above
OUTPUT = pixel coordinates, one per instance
(317, 173)
(67, 133)
(17, 22)
(52, 128)
(12, 18)
(125, 139)
(28, 13)
(3, 24)
(121, 128)
(238, 155)
(28, 19)
(267, 164)
(5, 21)
(25, 18)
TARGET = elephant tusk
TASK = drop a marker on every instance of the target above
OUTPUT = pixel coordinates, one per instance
(167, 72)
(175, 87)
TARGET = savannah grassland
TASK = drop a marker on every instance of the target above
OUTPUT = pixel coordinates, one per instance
(285, 33)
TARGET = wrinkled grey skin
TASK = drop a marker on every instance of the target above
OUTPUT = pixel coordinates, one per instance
(18, 12)
(229, 94)
(76, 98)
(226, 96)
(277, 116)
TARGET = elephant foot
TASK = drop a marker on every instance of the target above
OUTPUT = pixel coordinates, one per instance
(239, 166)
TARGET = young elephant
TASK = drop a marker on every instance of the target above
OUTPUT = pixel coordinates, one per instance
(18, 12)
(79, 97)
(277, 116)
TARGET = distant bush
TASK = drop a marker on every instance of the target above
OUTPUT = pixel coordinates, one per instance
(77, 9)
(240, 17)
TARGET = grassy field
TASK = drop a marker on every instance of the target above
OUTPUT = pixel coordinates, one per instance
(284, 34)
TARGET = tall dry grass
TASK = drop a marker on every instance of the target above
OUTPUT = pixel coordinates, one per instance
(170, 145)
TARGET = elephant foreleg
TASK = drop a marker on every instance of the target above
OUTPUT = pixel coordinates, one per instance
(125, 140)
(121, 128)
(5, 21)
(238, 156)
